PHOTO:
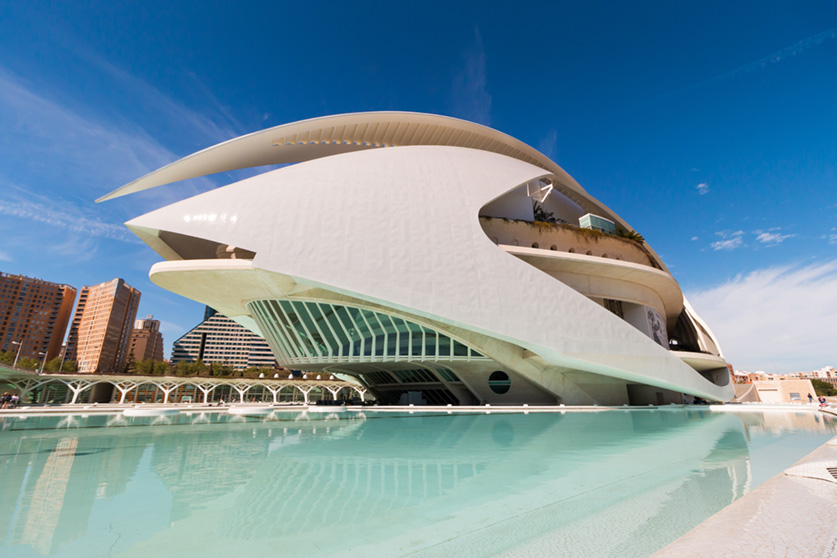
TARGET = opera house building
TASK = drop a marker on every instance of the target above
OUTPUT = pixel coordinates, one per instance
(435, 260)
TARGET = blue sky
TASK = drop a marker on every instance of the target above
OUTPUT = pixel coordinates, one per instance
(711, 128)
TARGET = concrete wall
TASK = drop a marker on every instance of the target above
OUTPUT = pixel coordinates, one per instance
(648, 321)
(650, 395)
(514, 205)
(784, 391)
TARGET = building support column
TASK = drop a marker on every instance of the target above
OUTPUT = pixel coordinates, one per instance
(274, 393)
(241, 392)
(206, 389)
(166, 388)
(304, 392)
(125, 388)
(77, 386)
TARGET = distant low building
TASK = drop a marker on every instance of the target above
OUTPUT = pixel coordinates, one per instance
(34, 315)
(775, 391)
(146, 340)
(218, 339)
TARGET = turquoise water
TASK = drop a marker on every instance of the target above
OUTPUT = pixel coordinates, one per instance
(620, 483)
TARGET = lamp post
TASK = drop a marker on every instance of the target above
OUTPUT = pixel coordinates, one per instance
(17, 356)
(63, 354)
(43, 364)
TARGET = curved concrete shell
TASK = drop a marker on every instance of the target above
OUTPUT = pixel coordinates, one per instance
(388, 265)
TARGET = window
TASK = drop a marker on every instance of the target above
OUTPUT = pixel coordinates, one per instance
(499, 382)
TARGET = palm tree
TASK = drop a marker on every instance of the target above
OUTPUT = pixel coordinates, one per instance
(543, 215)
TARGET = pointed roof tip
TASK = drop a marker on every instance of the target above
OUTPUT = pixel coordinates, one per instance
(323, 136)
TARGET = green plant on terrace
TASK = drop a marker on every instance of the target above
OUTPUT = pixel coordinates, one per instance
(542, 215)
(630, 235)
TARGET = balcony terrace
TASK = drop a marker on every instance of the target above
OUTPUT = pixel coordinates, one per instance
(565, 238)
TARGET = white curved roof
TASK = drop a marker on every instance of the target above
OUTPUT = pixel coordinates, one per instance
(330, 135)
(418, 247)
(325, 136)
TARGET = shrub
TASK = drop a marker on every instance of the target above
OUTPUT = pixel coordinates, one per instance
(824, 388)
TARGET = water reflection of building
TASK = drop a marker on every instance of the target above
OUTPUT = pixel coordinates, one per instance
(65, 476)
(343, 485)
(287, 480)
(47, 499)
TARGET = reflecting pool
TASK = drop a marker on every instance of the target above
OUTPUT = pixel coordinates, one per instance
(612, 483)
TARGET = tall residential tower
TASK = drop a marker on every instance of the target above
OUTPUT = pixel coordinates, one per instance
(34, 315)
(218, 339)
(146, 340)
(101, 331)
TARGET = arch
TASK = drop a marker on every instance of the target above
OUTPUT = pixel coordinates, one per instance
(589, 253)
(571, 250)
(554, 247)
(535, 245)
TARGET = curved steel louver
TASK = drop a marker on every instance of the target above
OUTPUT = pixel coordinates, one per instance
(305, 332)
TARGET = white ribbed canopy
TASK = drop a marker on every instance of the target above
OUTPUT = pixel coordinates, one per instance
(343, 133)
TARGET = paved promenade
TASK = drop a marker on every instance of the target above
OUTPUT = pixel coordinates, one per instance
(794, 514)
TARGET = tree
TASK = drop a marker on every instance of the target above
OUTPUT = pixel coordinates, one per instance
(69, 367)
(7, 357)
(630, 235)
(824, 388)
(543, 215)
(130, 366)
(221, 369)
(53, 365)
(27, 363)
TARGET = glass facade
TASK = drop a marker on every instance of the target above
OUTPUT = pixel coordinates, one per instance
(314, 332)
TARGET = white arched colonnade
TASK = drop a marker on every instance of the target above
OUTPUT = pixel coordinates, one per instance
(27, 382)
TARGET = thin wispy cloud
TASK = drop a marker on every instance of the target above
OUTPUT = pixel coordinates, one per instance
(75, 152)
(70, 218)
(56, 141)
(5, 257)
(548, 144)
(779, 56)
(702, 188)
(772, 238)
(216, 126)
(729, 240)
(779, 319)
(470, 98)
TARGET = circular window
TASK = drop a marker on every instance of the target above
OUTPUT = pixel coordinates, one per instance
(499, 382)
